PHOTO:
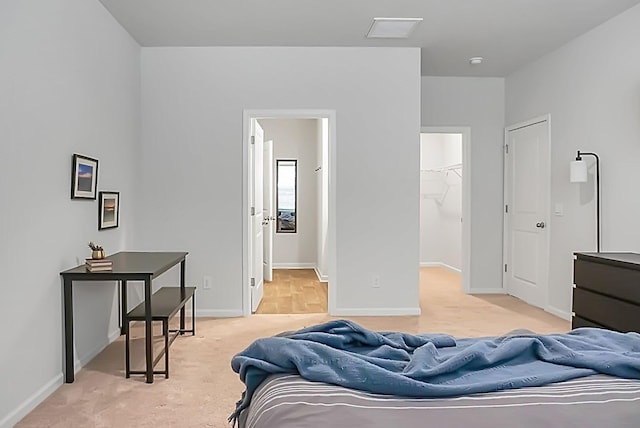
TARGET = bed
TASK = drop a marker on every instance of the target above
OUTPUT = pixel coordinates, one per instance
(586, 378)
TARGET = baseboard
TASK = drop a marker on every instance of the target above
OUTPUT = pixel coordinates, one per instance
(440, 264)
(374, 312)
(294, 265)
(487, 291)
(321, 277)
(559, 313)
(218, 313)
(430, 264)
(30, 403)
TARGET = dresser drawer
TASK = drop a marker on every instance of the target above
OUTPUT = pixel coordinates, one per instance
(611, 313)
(577, 322)
(606, 279)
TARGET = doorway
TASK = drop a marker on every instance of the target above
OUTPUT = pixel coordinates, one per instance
(299, 221)
(527, 192)
(444, 210)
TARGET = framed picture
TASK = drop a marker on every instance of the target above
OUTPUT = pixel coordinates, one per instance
(109, 210)
(84, 177)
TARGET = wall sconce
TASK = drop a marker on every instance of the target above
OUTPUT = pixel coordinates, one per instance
(578, 174)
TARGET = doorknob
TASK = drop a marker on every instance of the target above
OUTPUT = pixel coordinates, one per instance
(540, 225)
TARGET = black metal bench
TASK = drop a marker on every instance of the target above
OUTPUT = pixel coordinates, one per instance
(165, 303)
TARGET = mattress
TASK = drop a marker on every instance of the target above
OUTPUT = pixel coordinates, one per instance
(284, 401)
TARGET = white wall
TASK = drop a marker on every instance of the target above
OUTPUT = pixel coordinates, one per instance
(591, 88)
(479, 104)
(297, 139)
(69, 83)
(441, 213)
(193, 101)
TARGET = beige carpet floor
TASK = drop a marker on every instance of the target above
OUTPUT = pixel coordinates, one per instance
(202, 389)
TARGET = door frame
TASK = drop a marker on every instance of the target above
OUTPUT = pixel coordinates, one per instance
(546, 208)
(249, 114)
(466, 195)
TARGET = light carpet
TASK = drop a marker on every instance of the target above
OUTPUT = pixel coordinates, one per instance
(202, 389)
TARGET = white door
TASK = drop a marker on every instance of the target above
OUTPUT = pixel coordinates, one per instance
(269, 216)
(256, 153)
(526, 212)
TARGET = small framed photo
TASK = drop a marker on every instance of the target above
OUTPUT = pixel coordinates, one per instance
(109, 210)
(84, 177)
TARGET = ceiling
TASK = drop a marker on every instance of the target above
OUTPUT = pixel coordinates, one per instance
(507, 33)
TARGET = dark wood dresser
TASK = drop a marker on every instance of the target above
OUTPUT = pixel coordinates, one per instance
(606, 291)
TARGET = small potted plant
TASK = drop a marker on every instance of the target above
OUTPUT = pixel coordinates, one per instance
(97, 252)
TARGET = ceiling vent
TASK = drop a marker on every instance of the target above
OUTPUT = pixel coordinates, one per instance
(392, 28)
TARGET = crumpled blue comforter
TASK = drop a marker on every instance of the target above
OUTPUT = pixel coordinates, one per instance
(434, 365)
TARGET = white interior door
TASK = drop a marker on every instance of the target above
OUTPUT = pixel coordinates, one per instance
(256, 155)
(269, 219)
(526, 212)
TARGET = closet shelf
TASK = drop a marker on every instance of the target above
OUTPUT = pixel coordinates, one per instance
(438, 186)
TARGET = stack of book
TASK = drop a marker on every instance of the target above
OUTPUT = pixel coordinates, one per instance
(99, 265)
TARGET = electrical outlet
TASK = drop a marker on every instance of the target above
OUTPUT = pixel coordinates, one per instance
(206, 283)
(375, 281)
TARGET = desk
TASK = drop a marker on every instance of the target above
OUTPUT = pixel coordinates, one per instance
(127, 266)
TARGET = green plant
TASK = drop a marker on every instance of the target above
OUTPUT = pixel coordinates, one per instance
(95, 247)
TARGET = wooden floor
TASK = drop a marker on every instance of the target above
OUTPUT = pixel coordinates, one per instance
(294, 291)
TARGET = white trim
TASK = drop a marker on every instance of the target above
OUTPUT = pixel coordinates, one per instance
(32, 402)
(496, 290)
(546, 209)
(558, 312)
(294, 265)
(247, 115)
(466, 196)
(321, 277)
(373, 312)
(440, 264)
(218, 313)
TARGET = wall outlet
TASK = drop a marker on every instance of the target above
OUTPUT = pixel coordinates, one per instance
(375, 281)
(206, 283)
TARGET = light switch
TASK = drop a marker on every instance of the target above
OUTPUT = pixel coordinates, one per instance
(559, 210)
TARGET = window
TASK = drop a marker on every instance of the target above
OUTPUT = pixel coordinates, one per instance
(286, 196)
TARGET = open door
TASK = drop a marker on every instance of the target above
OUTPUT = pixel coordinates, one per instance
(269, 218)
(256, 155)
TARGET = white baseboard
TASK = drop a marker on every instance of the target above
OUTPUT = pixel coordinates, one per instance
(440, 264)
(30, 403)
(294, 265)
(374, 312)
(487, 291)
(559, 313)
(218, 313)
(321, 277)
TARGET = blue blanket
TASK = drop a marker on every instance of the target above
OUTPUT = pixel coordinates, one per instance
(434, 365)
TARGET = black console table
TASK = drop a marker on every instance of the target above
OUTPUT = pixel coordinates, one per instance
(606, 291)
(127, 266)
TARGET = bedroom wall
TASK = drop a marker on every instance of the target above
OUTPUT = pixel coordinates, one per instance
(192, 103)
(69, 83)
(479, 104)
(297, 139)
(591, 88)
(440, 215)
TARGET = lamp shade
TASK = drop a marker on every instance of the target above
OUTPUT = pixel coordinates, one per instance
(578, 171)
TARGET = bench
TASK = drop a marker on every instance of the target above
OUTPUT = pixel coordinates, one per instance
(165, 303)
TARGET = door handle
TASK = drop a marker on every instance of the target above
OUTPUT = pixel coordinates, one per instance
(540, 225)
